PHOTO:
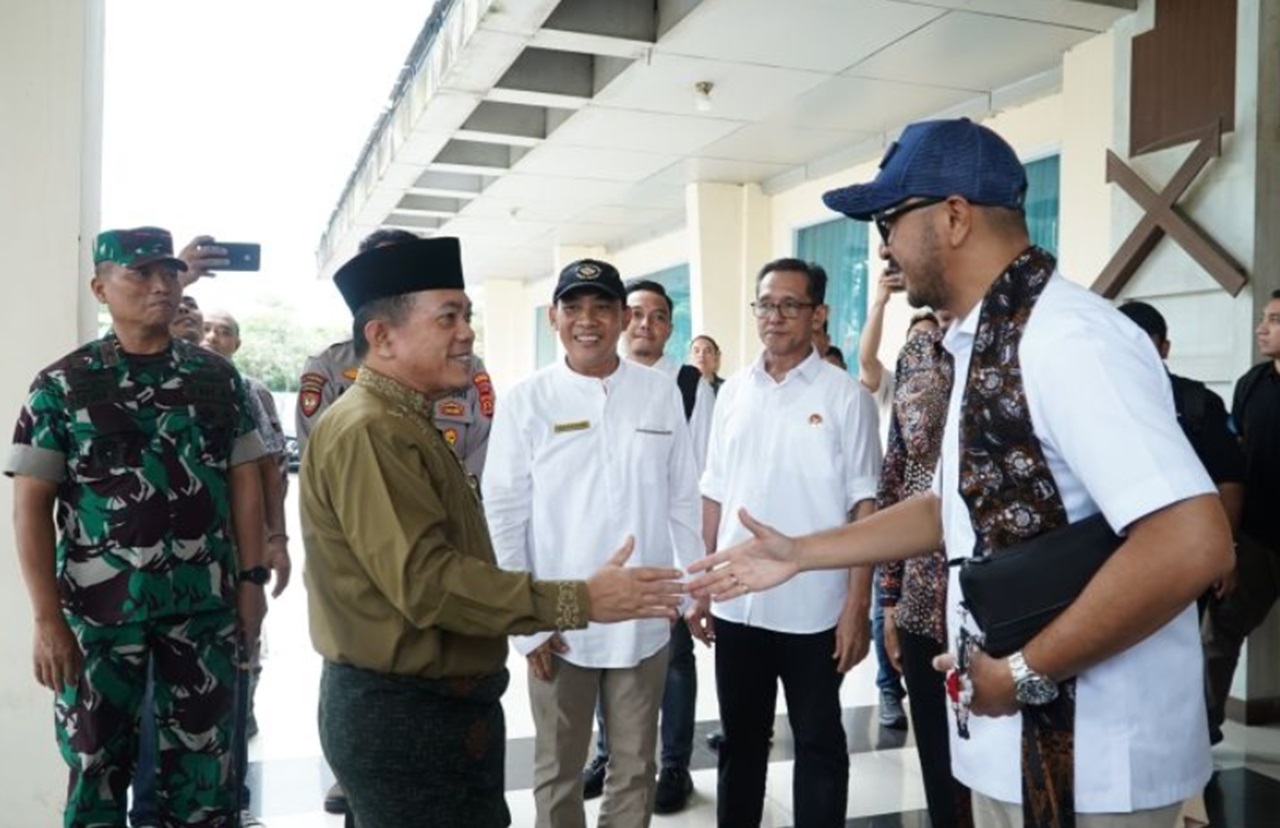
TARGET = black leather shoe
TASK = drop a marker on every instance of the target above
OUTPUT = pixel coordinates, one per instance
(715, 739)
(675, 786)
(593, 777)
(335, 801)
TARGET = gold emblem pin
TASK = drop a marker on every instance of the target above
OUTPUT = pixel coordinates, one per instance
(815, 419)
(588, 271)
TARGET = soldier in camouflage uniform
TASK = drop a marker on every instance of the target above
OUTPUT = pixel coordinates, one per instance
(146, 447)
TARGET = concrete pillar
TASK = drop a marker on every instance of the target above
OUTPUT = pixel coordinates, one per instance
(729, 238)
(509, 332)
(50, 166)
(1088, 123)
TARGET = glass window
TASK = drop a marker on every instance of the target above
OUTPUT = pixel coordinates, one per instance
(676, 281)
(544, 337)
(1042, 202)
(840, 246)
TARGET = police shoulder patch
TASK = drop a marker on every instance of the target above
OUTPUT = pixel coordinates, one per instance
(309, 393)
(484, 387)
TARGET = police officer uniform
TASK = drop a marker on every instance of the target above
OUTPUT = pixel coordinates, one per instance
(463, 417)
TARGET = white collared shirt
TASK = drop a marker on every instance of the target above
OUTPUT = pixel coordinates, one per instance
(1102, 408)
(704, 404)
(798, 455)
(576, 464)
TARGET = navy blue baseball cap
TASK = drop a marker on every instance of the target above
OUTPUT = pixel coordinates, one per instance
(938, 159)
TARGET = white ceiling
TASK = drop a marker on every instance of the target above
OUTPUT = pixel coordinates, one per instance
(606, 133)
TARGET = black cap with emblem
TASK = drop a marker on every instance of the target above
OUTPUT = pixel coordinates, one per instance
(593, 274)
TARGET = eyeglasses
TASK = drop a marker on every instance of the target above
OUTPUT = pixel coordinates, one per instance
(789, 308)
(885, 218)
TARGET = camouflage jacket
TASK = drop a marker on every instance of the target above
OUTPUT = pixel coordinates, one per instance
(140, 447)
(463, 417)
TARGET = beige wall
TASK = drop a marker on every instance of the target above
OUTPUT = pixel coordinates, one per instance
(50, 145)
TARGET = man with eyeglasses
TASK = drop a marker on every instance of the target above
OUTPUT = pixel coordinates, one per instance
(795, 438)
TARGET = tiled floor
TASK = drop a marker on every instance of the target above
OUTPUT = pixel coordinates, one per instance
(289, 776)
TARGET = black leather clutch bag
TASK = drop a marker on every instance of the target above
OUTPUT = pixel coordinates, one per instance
(1015, 592)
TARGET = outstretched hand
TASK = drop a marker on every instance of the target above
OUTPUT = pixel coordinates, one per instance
(620, 593)
(754, 565)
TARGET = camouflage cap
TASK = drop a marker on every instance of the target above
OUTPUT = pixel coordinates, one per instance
(135, 248)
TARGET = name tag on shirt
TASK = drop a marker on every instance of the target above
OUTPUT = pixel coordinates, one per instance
(658, 431)
(580, 425)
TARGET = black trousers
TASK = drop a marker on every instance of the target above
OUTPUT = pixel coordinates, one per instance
(949, 801)
(1229, 621)
(749, 663)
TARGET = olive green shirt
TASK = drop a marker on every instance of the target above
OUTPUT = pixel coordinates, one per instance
(400, 576)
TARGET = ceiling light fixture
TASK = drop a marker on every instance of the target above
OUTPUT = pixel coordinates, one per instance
(702, 95)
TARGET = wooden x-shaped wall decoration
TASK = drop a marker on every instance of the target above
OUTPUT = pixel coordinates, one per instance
(1163, 216)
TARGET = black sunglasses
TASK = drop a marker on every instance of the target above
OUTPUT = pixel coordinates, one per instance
(885, 218)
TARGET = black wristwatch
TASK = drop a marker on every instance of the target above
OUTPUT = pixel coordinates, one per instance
(256, 575)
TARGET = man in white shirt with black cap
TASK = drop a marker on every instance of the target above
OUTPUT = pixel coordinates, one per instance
(644, 341)
(593, 447)
(1060, 414)
(795, 438)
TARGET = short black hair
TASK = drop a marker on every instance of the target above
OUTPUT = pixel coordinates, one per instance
(637, 285)
(833, 351)
(390, 309)
(1146, 317)
(385, 236)
(814, 273)
(1275, 294)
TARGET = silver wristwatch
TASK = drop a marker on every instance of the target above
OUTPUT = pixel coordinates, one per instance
(1029, 687)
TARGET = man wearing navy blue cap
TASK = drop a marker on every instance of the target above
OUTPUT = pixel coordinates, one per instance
(1061, 410)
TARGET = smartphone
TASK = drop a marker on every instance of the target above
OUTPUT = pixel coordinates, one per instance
(241, 255)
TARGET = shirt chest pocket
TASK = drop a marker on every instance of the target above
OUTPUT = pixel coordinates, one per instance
(651, 448)
(106, 454)
(213, 424)
(815, 447)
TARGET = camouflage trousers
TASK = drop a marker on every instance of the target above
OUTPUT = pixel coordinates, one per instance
(97, 720)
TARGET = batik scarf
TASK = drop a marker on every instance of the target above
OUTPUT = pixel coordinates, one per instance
(1012, 497)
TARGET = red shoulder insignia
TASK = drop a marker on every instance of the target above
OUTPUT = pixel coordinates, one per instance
(309, 394)
(485, 388)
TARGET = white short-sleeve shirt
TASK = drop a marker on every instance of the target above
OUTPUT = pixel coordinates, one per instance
(575, 465)
(798, 455)
(1102, 409)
